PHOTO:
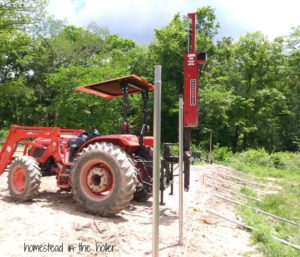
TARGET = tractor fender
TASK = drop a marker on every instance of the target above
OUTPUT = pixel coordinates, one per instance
(148, 141)
(129, 143)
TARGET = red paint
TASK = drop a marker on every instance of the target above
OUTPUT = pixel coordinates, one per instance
(18, 179)
(87, 169)
(127, 142)
(49, 138)
(193, 17)
(190, 90)
(191, 84)
(148, 141)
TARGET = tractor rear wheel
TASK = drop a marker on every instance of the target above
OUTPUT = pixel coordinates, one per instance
(103, 179)
(24, 178)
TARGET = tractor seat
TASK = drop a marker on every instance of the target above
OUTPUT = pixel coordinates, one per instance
(76, 142)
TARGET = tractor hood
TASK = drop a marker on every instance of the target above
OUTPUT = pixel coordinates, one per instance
(113, 88)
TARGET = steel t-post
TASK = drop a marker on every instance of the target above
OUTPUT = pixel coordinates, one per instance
(156, 160)
(180, 139)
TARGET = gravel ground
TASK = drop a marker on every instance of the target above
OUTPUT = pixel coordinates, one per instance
(53, 219)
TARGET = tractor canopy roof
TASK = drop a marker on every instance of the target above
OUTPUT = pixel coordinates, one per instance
(113, 88)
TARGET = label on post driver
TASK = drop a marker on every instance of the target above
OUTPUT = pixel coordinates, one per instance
(193, 100)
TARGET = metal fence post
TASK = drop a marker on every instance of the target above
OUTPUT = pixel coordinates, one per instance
(180, 139)
(156, 160)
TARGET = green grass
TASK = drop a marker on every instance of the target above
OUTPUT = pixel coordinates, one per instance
(282, 170)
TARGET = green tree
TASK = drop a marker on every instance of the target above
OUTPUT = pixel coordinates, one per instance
(116, 57)
(291, 86)
(16, 49)
(250, 72)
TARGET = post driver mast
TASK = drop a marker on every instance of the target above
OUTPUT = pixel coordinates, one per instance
(192, 59)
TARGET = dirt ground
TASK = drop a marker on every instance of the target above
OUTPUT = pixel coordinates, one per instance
(54, 218)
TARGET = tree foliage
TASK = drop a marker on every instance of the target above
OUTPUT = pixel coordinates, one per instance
(249, 88)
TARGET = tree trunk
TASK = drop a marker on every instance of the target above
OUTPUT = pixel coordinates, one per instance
(235, 138)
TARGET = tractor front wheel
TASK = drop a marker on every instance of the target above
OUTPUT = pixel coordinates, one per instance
(103, 179)
(24, 178)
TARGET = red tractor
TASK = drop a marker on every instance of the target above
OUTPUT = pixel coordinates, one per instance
(104, 172)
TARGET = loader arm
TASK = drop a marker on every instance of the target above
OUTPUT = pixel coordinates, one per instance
(25, 134)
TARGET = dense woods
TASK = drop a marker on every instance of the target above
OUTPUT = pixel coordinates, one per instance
(249, 88)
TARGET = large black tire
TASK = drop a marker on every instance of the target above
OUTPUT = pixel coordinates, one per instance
(103, 179)
(24, 178)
